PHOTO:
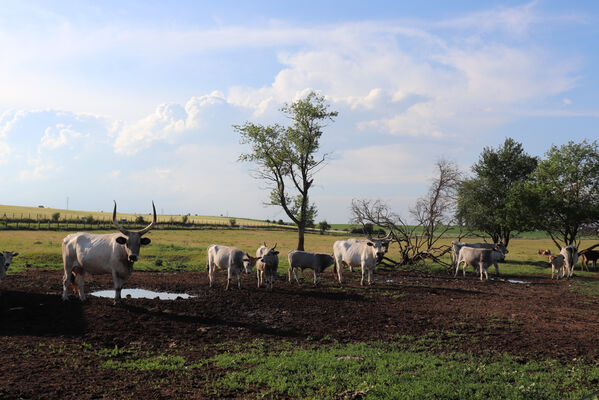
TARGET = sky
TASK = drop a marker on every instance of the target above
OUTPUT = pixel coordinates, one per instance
(135, 100)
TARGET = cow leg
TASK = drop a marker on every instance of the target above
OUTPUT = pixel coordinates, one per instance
(315, 277)
(339, 267)
(289, 272)
(66, 282)
(239, 279)
(363, 273)
(229, 276)
(370, 276)
(211, 268)
(457, 267)
(258, 277)
(118, 285)
(295, 274)
(80, 283)
(496, 268)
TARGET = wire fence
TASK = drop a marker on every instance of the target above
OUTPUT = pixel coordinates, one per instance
(76, 222)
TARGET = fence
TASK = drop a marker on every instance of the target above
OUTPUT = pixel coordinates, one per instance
(74, 223)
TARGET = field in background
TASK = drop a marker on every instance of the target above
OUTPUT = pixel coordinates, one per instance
(186, 249)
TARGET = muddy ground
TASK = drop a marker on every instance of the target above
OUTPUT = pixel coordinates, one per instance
(52, 349)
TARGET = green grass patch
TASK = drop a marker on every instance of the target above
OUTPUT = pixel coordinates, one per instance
(388, 370)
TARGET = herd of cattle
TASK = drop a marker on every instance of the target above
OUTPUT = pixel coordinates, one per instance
(116, 253)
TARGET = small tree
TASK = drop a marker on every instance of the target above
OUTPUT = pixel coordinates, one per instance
(233, 222)
(433, 213)
(140, 220)
(55, 217)
(287, 157)
(184, 219)
(323, 226)
(565, 190)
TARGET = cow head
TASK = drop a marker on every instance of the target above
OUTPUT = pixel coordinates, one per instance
(269, 256)
(502, 249)
(132, 240)
(8, 256)
(380, 246)
(249, 262)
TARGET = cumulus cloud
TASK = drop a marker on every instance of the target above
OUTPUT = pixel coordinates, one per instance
(62, 137)
(165, 124)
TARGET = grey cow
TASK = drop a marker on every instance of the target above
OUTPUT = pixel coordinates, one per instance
(314, 261)
(481, 258)
(266, 265)
(96, 254)
(5, 260)
(457, 246)
(234, 260)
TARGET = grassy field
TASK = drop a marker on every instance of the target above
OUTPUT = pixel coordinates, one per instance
(186, 249)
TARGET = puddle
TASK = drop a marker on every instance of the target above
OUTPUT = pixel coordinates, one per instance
(512, 281)
(142, 294)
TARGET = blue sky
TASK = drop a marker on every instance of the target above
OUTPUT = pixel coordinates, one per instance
(135, 101)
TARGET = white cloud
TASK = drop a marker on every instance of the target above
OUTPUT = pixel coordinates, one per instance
(63, 136)
(165, 124)
(567, 101)
(378, 164)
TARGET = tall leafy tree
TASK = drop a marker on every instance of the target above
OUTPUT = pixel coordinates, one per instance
(565, 188)
(492, 200)
(288, 157)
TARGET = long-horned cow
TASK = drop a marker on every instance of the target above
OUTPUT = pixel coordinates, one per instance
(233, 259)
(302, 259)
(365, 253)
(266, 265)
(96, 254)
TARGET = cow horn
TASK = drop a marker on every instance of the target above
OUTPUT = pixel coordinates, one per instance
(274, 247)
(265, 244)
(147, 228)
(118, 226)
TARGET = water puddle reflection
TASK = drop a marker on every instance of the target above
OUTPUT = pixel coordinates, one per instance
(142, 294)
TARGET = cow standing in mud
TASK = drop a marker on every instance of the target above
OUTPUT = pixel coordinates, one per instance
(96, 254)
(234, 260)
(315, 261)
(267, 265)
(365, 253)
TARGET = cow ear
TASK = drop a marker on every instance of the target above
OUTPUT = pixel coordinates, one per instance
(121, 240)
(370, 243)
(275, 252)
(145, 241)
(16, 254)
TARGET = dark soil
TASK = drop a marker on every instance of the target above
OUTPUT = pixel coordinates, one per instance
(51, 348)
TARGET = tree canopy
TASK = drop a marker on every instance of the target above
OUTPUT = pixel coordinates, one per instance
(491, 201)
(565, 191)
(287, 157)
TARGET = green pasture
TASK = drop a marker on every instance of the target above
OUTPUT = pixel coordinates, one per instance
(186, 249)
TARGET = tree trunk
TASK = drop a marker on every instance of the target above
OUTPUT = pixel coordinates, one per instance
(300, 237)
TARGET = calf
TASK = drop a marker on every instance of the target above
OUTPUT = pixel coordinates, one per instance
(481, 258)
(589, 255)
(570, 254)
(315, 261)
(557, 266)
(544, 252)
(266, 266)
(231, 258)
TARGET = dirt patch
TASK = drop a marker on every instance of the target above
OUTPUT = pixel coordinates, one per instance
(46, 342)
